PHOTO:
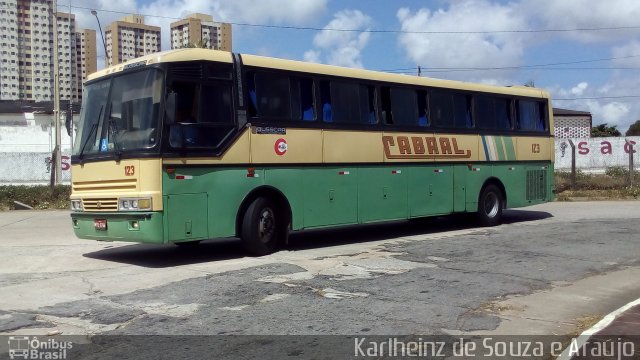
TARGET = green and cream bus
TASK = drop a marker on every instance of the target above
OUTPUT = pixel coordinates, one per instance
(193, 144)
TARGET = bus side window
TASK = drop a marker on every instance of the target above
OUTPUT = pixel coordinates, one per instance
(187, 94)
(485, 107)
(423, 110)
(302, 104)
(462, 111)
(404, 107)
(273, 95)
(441, 108)
(503, 113)
(385, 105)
(530, 115)
(325, 100)
(251, 91)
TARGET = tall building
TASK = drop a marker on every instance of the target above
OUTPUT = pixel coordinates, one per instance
(26, 49)
(130, 38)
(86, 55)
(198, 29)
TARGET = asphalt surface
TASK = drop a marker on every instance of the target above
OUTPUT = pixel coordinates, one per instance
(544, 270)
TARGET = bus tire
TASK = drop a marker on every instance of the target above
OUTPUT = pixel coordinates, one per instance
(490, 205)
(262, 228)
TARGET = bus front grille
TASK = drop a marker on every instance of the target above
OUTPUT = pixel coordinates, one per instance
(104, 185)
(102, 204)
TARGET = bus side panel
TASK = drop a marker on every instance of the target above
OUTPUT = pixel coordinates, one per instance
(224, 189)
(330, 196)
(512, 176)
(382, 193)
(430, 190)
(289, 182)
(476, 175)
(460, 187)
(227, 190)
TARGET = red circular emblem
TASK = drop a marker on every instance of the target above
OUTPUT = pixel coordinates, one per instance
(280, 147)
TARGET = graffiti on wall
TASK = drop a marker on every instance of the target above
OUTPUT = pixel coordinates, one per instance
(597, 153)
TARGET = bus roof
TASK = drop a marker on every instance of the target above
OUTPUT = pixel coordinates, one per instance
(191, 54)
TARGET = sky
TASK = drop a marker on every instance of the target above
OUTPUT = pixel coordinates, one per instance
(586, 53)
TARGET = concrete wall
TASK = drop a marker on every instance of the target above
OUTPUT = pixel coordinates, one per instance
(26, 147)
(597, 154)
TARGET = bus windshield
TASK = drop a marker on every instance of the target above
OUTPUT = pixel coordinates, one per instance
(120, 114)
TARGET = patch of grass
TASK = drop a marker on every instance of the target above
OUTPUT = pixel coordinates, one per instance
(38, 196)
(613, 184)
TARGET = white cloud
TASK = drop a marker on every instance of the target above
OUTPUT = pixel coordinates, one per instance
(579, 89)
(341, 47)
(611, 111)
(580, 14)
(471, 50)
(167, 11)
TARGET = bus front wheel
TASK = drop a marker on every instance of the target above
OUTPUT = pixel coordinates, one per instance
(490, 206)
(262, 227)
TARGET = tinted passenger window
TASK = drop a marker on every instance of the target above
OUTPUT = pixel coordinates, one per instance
(399, 106)
(462, 111)
(344, 102)
(531, 115)
(441, 105)
(216, 104)
(485, 108)
(272, 96)
(302, 105)
(504, 119)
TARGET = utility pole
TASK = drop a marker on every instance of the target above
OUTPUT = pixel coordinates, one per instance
(78, 84)
(56, 96)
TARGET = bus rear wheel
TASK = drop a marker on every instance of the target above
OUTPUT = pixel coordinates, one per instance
(490, 206)
(262, 230)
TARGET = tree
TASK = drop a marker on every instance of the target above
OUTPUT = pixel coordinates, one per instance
(200, 44)
(603, 130)
(634, 129)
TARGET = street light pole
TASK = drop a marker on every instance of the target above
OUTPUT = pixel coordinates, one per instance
(106, 57)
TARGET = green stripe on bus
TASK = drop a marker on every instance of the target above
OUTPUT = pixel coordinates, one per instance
(499, 147)
(511, 152)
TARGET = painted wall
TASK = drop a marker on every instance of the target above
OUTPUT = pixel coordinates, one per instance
(25, 149)
(597, 154)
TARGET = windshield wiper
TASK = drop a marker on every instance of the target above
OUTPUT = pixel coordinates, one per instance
(94, 126)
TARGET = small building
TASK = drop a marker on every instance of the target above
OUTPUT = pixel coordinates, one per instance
(571, 124)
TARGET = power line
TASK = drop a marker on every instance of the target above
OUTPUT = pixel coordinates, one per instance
(598, 98)
(387, 31)
(516, 67)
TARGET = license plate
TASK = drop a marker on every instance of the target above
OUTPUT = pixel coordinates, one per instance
(100, 224)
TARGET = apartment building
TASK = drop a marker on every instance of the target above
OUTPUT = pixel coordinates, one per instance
(200, 30)
(86, 55)
(26, 52)
(130, 38)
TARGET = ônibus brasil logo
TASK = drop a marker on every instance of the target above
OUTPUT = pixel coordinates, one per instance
(23, 347)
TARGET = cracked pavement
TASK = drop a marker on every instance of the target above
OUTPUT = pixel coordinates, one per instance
(433, 276)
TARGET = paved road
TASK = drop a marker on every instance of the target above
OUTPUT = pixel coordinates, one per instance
(543, 272)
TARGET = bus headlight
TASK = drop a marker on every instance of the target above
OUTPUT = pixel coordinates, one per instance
(76, 205)
(134, 204)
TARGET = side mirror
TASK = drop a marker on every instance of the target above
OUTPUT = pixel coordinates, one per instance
(170, 108)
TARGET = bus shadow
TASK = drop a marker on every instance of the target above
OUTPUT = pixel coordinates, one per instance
(162, 256)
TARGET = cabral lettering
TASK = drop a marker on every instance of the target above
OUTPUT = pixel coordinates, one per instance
(428, 147)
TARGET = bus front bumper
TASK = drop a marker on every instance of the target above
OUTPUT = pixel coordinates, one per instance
(139, 227)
